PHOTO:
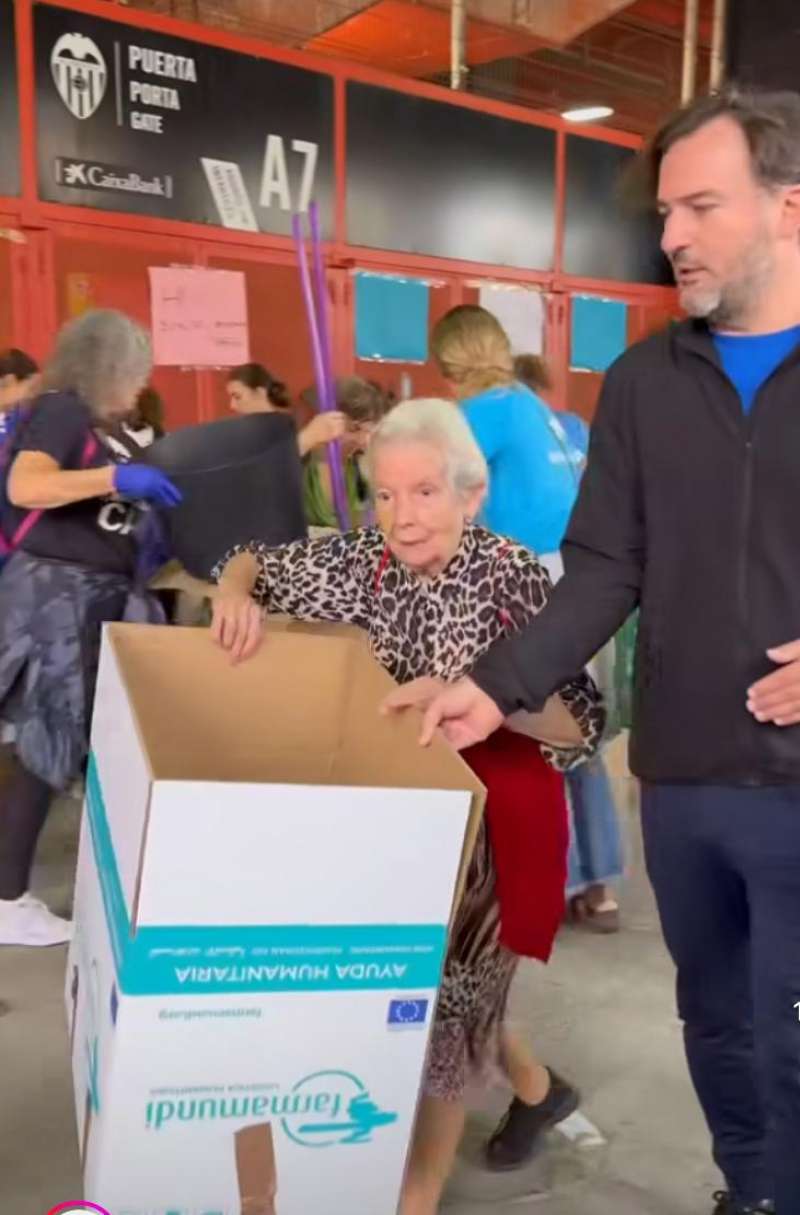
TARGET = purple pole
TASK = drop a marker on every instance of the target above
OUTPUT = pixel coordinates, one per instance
(329, 402)
(308, 299)
(324, 395)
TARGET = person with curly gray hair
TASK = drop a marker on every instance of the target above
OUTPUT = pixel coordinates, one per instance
(71, 528)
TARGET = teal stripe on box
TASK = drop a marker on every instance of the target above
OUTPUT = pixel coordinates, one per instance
(119, 925)
(215, 960)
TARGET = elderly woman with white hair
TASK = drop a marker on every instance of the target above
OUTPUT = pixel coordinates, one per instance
(71, 536)
(434, 591)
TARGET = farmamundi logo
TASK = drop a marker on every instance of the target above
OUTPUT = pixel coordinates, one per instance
(321, 1110)
(80, 74)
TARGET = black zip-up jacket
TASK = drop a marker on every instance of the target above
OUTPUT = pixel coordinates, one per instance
(690, 509)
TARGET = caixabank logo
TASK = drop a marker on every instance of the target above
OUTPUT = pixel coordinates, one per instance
(92, 175)
(79, 1208)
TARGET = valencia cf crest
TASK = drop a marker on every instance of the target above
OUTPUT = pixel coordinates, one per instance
(80, 74)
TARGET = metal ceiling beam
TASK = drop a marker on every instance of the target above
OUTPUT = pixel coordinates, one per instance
(301, 19)
(556, 22)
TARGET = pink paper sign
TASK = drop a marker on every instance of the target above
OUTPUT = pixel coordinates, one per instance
(199, 317)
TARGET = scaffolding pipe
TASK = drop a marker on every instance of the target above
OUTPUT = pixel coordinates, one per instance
(717, 69)
(690, 28)
(458, 43)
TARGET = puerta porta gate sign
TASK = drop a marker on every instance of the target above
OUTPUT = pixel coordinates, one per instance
(136, 121)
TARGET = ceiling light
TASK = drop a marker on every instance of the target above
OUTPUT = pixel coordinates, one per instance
(588, 113)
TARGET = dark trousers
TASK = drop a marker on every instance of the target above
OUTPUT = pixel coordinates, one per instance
(725, 866)
(24, 803)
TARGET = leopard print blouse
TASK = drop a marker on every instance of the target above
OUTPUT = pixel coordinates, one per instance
(437, 627)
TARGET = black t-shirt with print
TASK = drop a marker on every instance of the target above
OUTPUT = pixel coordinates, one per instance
(98, 532)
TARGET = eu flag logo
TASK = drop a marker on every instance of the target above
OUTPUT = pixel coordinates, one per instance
(408, 1014)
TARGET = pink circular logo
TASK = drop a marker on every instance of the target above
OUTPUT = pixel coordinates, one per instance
(79, 1208)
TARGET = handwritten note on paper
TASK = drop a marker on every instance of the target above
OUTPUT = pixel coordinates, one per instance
(198, 317)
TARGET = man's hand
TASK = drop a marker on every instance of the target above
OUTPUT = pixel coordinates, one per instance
(464, 714)
(776, 698)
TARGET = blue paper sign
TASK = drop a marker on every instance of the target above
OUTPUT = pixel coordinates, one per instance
(391, 318)
(599, 332)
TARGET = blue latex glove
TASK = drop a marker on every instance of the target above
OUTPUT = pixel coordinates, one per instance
(142, 482)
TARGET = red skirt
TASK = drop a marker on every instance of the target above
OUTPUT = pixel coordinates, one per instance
(526, 817)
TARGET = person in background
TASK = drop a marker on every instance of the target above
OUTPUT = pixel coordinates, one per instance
(19, 377)
(146, 423)
(532, 371)
(362, 405)
(433, 590)
(251, 389)
(688, 510)
(596, 852)
(74, 569)
(532, 489)
(142, 426)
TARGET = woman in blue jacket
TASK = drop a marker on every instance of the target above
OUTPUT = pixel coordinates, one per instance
(534, 472)
(532, 483)
(596, 854)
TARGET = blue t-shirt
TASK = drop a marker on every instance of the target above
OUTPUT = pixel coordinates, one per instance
(9, 420)
(749, 359)
(534, 470)
(577, 431)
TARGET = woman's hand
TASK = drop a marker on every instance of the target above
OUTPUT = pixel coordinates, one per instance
(237, 624)
(324, 428)
(144, 482)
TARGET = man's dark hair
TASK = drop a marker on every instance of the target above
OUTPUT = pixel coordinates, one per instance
(17, 363)
(769, 121)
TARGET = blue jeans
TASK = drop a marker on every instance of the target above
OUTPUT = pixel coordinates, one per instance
(725, 866)
(596, 854)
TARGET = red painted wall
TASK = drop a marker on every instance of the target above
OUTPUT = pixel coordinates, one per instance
(74, 258)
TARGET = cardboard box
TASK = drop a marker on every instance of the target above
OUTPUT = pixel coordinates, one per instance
(266, 874)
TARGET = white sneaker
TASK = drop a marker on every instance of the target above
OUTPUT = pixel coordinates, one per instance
(26, 921)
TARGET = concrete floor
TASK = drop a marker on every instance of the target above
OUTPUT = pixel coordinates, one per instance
(601, 1013)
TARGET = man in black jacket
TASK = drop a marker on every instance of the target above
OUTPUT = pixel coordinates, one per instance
(690, 510)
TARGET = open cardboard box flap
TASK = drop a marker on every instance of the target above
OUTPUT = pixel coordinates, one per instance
(304, 710)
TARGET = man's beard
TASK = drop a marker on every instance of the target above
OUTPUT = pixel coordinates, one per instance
(728, 305)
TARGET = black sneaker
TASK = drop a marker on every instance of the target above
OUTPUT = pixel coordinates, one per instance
(725, 1206)
(517, 1137)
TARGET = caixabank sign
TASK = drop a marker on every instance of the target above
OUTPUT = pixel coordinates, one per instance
(136, 121)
